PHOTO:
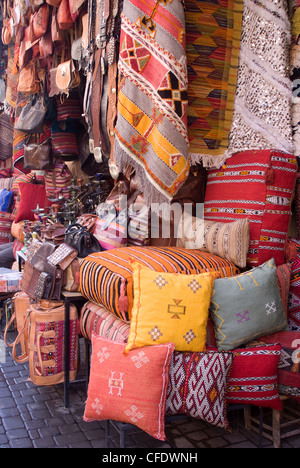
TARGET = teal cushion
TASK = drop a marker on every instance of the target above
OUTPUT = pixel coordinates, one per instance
(247, 306)
(6, 200)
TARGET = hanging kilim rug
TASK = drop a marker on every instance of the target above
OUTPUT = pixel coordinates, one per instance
(213, 31)
(151, 130)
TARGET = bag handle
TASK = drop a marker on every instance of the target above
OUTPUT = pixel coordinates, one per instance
(25, 356)
(12, 318)
(43, 349)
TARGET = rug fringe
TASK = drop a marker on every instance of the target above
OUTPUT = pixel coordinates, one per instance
(159, 202)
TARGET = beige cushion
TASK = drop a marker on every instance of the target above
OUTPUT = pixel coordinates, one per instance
(227, 240)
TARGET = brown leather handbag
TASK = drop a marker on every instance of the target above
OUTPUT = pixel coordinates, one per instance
(64, 18)
(39, 22)
(67, 77)
(38, 155)
(46, 45)
(63, 256)
(29, 82)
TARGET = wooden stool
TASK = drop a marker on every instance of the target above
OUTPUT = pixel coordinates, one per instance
(282, 420)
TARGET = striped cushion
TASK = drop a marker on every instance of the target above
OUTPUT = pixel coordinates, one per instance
(95, 318)
(257, 185)
(6, 220)
(106, 277)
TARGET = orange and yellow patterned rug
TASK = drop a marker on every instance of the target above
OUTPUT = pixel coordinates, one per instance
(213, 32)
(151, 129)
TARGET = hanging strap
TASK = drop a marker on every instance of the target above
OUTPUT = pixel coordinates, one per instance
(25, 356)
(112, 79)
(98, 100)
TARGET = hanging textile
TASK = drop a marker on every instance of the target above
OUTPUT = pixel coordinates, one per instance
(151, 130)
(11, 95)
(213, 31)
(262, 110)
(295, 77)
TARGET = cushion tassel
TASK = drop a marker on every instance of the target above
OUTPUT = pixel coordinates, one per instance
(290, 251)
(123, 300)
(270, 175)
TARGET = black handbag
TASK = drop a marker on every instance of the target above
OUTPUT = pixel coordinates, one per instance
(82, 240)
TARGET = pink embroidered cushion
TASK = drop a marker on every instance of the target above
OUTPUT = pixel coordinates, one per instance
(132, 388)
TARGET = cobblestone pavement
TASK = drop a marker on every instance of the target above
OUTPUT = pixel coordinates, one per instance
(35, 417)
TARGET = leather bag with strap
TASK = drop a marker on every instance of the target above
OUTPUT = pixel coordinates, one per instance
(21, 303)
(82, 240)
(29, 82)
(37, 154)
(46, 344)
(31, 118)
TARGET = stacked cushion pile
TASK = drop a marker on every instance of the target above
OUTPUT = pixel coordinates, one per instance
(174, 297)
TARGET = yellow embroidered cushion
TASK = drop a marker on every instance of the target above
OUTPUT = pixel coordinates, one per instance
(169, 307)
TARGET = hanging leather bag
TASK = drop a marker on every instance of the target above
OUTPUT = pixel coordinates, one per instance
(64, 18)
(29, 82)
(39, 22)
(32, 115)
(67, 77)
(38, 155)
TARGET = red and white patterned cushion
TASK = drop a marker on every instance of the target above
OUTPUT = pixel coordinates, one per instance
(197, 386)
(289, 362)
(6, 220)
(257, 185)
(253, 377)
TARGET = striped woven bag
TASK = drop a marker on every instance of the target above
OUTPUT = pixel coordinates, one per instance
(58, 180)
(64, 141)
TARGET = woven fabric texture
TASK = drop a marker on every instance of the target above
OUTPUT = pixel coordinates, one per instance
(151, 130)
(257, 185)
(253, 377)
(169, 307)
(289, 364)
(213, 33)
(247, 306)
(106, 277)
(97, 319)
(131, 389)
(198, 384)
(228, 240)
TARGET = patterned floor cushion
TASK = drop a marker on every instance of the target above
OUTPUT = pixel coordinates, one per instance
(106, 277)
(294, 293)
(95, 318)
(289, 363)
(257, 185)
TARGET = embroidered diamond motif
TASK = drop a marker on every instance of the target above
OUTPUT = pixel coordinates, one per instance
(160, 281)
(194, 285)
(134, 54)
(271, 307)
(189, 336)
(115, 383)
(139, 359)
(134, 414)
(155, 333)
(96, 405)
(104, 354)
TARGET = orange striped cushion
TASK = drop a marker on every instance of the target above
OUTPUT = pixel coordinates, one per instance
(106, 277)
